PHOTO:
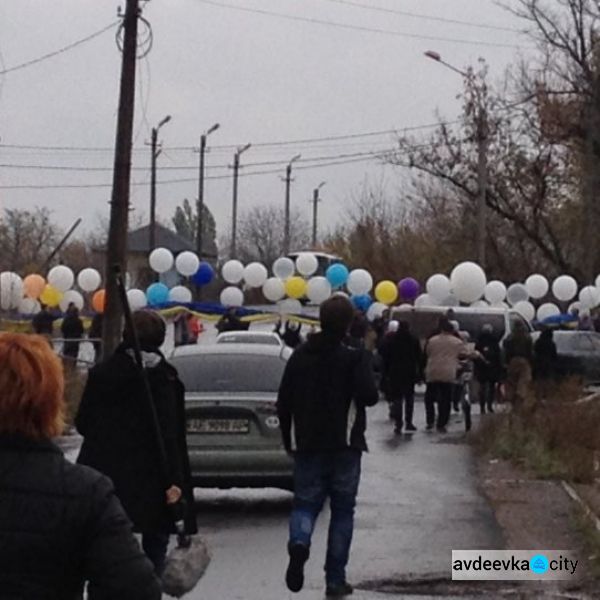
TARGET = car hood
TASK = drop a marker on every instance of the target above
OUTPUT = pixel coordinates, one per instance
(227, 397)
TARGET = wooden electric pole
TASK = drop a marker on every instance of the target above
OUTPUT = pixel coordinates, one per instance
(116, 249)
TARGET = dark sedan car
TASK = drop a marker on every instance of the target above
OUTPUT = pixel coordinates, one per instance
(578, 354)
(233, 431)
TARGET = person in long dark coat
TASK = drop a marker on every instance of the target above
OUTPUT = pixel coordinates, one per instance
(402, 368)
(488, 368)
(120, 441)
(61, 525)
(72, 329)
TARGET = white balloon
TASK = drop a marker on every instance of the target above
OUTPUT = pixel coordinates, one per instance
(516, 293)
(537, 286)
(61, 278)
(376, 310)
(589, 297)
(180, 294)
(480, 304)
(187, 263)
(564, 288)
(546, 311)
(450, 300)
(137, 299)
(255, 274)
(425, 300)
(404, 307)
(307, 264)
(318, 290)
(273, 289)
(161, 260)
(284, 268)
(232, 296)
(289, 306)
(11, 290)
(495, 292)
(468, 282)
(89, 280)
(359, 282)
(29, 306)
(233, 271)
(438, 287)
(575, 306)
(525, 309)
(71, 296)
(502, 305)
(598, 281)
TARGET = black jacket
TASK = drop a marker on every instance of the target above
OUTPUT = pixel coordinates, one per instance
(402, 361)
(488, 369)
(323, 394)
(545, 356)
(62, 525)
(115, 420)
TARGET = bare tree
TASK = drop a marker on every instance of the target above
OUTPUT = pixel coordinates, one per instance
(260, 234)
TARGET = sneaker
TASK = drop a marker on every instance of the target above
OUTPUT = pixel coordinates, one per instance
(429, 427)
(442, 430)
(339, 590)
(294, 576)
(411, 427)
(397, 429)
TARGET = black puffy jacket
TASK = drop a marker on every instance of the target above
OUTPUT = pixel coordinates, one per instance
(323, 394)
(60, 526)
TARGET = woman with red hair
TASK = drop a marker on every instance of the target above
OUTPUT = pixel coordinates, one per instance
(60, 524)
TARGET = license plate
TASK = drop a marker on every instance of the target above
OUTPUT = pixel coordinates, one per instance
(218, 425)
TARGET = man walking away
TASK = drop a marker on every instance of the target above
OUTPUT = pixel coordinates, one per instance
(518, 355)
(443, 352)
(488, 368)
(72, 331)
(321, 405)
(402, 361)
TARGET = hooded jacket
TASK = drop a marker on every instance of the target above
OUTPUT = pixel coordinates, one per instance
(325, 388)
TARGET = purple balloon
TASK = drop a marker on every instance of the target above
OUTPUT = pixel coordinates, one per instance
(409, 288)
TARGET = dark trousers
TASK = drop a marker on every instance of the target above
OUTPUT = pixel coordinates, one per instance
(487, 391)
(440, 393)
(155, 547)
(403, 402)
(318, 475)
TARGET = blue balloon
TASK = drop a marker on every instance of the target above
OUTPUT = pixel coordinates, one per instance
(362, 302)
(204, 274)
(337, 275)
(157, 293)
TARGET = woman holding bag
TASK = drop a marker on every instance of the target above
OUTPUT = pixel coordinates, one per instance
(120, 438)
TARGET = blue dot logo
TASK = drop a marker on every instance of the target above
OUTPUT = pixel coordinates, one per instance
(539, 564)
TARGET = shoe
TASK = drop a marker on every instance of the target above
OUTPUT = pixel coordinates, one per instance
(339, 590)
(411, 427)
(397, 429)
(442, 430)
(429, 427)
(294, 576)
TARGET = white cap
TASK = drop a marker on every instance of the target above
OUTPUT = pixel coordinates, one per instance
(393, 326)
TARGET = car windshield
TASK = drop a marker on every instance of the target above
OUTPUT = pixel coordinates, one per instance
(424, 323)
(230, 372)
(572, 342)
(248, 339)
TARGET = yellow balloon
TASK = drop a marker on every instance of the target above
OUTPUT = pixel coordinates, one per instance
(51, 296)
(386, 292)
(295, 287)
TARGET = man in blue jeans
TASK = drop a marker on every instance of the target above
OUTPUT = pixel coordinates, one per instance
(324, 391)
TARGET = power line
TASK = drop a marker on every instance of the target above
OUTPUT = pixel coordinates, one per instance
(361, 28)
(60, 51)
(424, 17)
(329, 138)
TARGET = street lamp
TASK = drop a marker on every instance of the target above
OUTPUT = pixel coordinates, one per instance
(286, 227)
(481, 122)
(236, 167)
(200, 208)
(315, 205)
(155, 152)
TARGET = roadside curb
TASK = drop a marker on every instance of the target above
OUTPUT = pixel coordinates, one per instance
(589, 513)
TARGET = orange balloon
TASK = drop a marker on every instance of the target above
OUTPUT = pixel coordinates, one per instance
(99, 301)
(33, 286)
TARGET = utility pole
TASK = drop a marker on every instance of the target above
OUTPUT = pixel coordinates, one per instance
(155, 153)
(315, 210)
(286, 225)
(200, 209)
(236, 168)
(116, 251)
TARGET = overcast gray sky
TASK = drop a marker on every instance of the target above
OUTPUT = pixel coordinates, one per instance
(262, 77)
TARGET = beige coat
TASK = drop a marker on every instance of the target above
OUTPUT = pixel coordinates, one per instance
(443, 351)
